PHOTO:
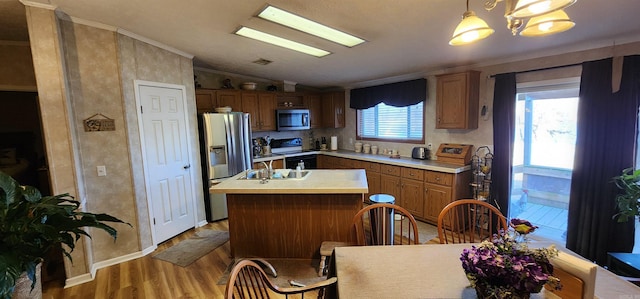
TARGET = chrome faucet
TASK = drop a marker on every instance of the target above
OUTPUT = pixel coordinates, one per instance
(269, 167)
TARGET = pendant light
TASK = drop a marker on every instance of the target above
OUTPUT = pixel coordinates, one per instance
(531, 8)
(553, 22)
(471, 29)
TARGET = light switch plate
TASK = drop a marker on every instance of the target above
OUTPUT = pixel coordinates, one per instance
(102, 170)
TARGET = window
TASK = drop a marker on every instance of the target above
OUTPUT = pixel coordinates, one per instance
(392, 123)
(544, 146)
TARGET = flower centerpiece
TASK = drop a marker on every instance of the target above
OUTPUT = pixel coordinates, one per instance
(505, 267)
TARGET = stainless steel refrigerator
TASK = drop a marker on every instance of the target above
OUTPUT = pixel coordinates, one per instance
(225, 146)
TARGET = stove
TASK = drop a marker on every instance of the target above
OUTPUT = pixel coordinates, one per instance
(287, 145)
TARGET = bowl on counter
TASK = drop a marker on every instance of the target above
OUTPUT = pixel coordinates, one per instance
(223, 109)
(248, 86)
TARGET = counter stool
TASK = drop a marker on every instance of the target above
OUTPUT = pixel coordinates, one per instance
(377, 219)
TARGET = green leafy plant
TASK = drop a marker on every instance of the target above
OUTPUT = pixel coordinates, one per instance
(627, 202)
(32, 224)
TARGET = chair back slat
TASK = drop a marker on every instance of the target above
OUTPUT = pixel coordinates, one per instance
(373, 225)
(248, 280)
(469, 221)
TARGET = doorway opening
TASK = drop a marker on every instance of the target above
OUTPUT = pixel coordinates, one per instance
(544, 147)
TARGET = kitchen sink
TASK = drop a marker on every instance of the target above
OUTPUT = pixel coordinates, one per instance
(279, 174)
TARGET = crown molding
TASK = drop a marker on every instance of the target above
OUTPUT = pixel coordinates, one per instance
(154, 43)
(38, 4)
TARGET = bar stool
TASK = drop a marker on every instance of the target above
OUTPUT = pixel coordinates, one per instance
(386, 220)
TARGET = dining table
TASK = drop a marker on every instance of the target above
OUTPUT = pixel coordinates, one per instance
(431, 271)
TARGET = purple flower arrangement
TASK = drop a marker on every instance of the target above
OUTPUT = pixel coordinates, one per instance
(504, 267)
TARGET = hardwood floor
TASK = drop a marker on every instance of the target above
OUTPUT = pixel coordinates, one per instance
(147, 277)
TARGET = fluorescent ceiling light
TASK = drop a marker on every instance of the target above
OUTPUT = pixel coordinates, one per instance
(282, 42)
(305, 25)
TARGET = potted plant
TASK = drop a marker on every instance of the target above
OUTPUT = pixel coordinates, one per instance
(31, 225)
(505, 267)
(627, 202)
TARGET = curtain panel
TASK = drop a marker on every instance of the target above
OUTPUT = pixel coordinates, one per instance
(605, 144)
(400, 94)
(504, 110)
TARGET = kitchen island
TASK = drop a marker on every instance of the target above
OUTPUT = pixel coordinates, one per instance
(290, 218)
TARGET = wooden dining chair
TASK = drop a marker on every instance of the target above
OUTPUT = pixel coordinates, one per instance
(247, 280)
(376, 232)
(469, 221)
(373, 225)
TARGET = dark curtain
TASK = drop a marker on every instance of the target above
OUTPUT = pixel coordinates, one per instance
(400, 94)
(605, 144)
(504, 110)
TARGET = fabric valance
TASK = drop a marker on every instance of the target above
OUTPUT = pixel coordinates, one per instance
(400, 94)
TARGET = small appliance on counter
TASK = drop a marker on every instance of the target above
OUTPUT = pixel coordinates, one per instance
(420, 152)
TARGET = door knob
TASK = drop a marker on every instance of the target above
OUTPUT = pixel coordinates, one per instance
(187, 166)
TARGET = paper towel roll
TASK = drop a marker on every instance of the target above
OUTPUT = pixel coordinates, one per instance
(334, 143)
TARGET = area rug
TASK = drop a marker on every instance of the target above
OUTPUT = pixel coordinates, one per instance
(188, 251)
(304, 271)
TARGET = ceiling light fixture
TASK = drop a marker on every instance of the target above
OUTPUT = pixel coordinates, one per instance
(288, 19)
(470, 29)
(553, 22)
(281, 42)
(547, 17)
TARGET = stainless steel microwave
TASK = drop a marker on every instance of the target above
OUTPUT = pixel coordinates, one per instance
(292, 119)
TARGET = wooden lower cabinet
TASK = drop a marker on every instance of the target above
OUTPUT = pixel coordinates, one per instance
(411, 197)
(374, 180)
(277, 164)
(436, 198)
(422, 192)
(390, 184)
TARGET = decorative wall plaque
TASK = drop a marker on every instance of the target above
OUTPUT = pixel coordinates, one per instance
(99, 122)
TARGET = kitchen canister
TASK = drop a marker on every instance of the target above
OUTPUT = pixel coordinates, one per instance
(366, 148)
(374, 149)
(358, 146)
(334, 143)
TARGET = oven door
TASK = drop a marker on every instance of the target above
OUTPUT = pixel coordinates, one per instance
(292, 119)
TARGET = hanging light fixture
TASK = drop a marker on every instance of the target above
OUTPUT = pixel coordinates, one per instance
(546, 17)
(532, 8)
(471, 29)
(553, 22)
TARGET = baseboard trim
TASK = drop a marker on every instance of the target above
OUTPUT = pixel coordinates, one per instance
(202, 223)
(83, 278)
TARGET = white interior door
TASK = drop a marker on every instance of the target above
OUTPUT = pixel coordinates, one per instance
(166, 160)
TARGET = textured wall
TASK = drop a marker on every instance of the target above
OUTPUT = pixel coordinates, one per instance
(48, 67)
(139, 60)
(82, 71)
(93, 78)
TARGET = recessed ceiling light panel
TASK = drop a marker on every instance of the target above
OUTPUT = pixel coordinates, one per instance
(288, 19)
(281, 42)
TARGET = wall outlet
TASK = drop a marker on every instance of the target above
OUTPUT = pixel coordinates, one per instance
(429, 146)
(102, 170)
(350, 140)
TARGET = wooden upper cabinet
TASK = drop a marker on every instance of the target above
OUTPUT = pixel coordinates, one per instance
(314, 103)
(206, 100)
(268, 103)
(231, 98)
(261, 107)
(457, 100)
(333, 110)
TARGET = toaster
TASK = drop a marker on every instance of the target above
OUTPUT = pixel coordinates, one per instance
(420, 152)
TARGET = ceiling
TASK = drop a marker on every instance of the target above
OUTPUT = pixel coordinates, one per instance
(405, 38)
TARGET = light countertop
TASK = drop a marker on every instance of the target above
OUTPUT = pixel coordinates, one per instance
(317, 181)
(432, 165)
